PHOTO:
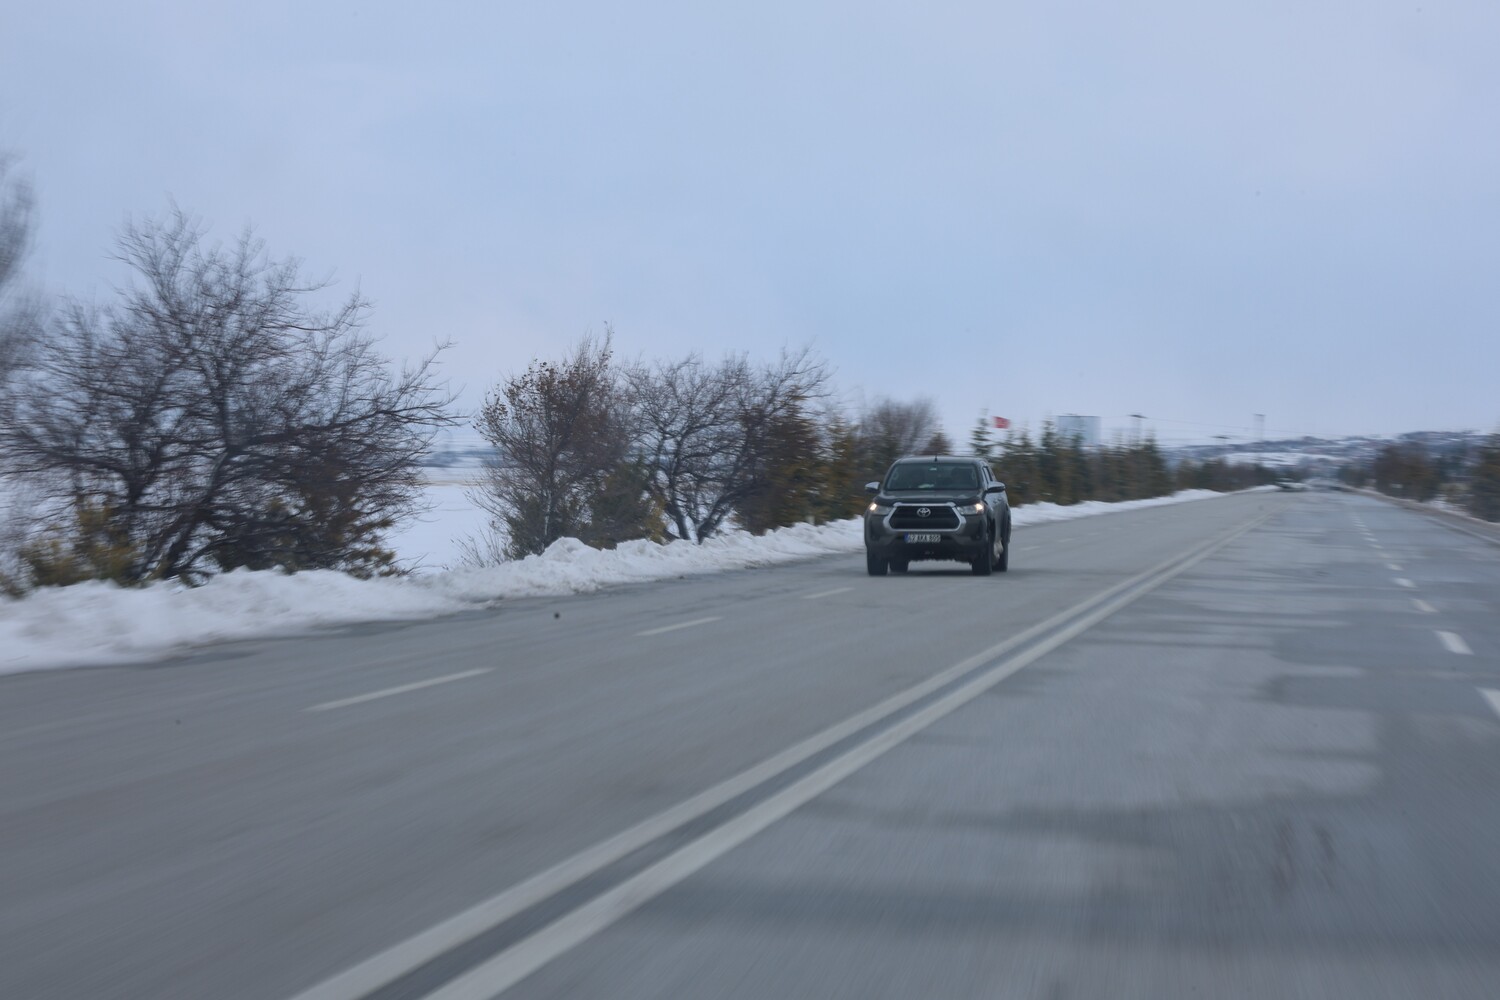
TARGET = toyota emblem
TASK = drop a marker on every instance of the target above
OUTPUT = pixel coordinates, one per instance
(924, 511)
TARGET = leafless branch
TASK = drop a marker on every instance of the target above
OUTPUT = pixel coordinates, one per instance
(219, 420)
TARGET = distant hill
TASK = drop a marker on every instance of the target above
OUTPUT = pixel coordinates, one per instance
(1314, 456)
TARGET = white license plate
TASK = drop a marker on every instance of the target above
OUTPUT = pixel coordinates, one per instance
(923, 538)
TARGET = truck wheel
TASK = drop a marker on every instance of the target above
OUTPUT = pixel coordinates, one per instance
(984, 563)
(874, 565)
(1004, 564)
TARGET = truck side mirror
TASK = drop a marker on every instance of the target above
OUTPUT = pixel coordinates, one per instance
(872, 487)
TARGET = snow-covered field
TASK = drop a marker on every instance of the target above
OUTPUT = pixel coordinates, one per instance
(432, 540)
(1282, 459)
(98, 623)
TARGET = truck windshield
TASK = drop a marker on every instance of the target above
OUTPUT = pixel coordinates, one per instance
(933, 476)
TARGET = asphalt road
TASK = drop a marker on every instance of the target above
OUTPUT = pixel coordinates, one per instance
(1239, 747)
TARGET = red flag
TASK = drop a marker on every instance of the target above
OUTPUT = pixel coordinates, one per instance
(1003, 423)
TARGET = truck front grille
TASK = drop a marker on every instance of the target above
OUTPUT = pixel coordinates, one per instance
(908, 517)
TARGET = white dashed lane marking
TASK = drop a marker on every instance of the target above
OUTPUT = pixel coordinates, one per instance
(1423, 606)
(674, 628)
(1454, 643)
(1493, 697)
(402, 689)
(826, 593)
(1402, 581)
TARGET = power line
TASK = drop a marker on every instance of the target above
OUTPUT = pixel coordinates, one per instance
(1244, 428)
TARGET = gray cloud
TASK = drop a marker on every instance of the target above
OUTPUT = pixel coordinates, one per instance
(1194, 211)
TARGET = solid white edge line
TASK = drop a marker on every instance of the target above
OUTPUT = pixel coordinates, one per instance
(388, 692)
(1423, 606)
(1454, 642)
(826, 593)
(1493, 697)
(509, 967)
(679, 625)
(1436, 518)
(1477, 534)
(400, 958)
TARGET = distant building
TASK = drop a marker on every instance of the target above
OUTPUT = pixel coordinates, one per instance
(1086, 429)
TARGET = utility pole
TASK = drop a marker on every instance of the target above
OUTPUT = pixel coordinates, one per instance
(1137, 417)
(1260, 432)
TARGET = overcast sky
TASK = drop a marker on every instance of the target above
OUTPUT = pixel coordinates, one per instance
(1195, 211)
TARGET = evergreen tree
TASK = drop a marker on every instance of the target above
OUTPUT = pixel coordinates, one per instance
(789, 480)
(1084, 485)
(1484, 490)
(981, 438)
(1155, 480)
(843, 476)
(1018, 469)
(1055, 471)
(1404, 470)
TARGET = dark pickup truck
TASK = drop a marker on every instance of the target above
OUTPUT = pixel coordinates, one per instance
(937, 507)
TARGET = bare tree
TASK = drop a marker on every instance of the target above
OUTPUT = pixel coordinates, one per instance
(938, 444)
(708, 433)
(564, 466)
(212, 418)
(890, 429)
(19, 310)
(20, 318)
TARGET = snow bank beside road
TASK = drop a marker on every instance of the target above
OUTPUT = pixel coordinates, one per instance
(96, 623)
(1043, 513)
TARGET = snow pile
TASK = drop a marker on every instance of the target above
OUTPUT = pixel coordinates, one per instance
(570, 567)
(1043, 513)
(96, 623)
(103, 623)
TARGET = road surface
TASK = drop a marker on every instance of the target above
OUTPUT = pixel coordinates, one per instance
(1243, 747)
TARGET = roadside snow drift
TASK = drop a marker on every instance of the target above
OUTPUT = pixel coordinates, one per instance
(97, 623)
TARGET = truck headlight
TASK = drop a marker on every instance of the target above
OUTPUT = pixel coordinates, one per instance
(972, 509)
(878, 508)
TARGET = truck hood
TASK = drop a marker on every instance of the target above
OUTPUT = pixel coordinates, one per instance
(930, 496)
